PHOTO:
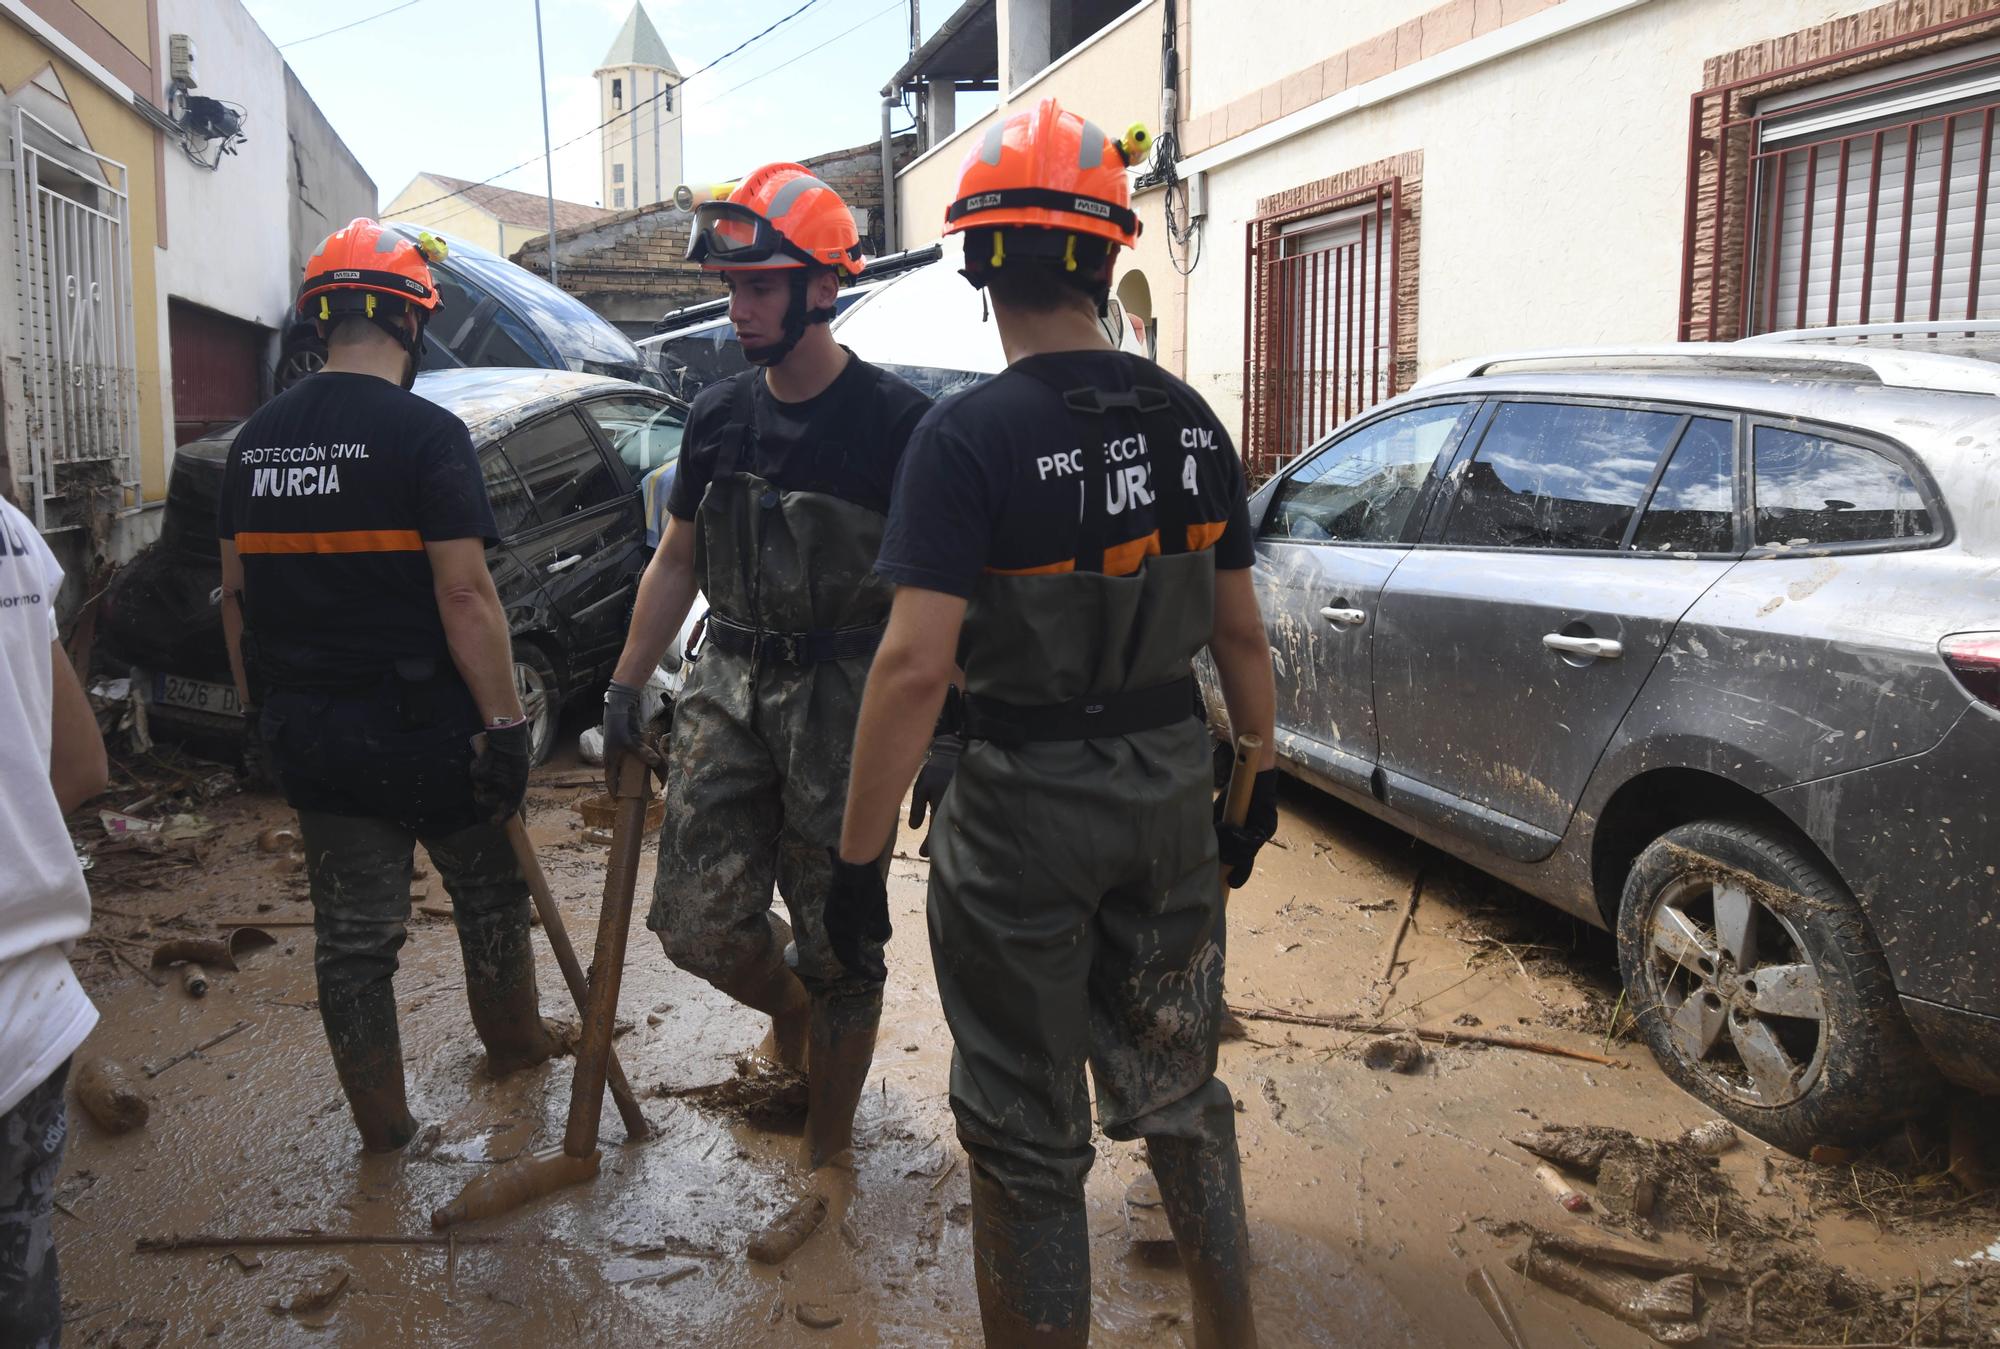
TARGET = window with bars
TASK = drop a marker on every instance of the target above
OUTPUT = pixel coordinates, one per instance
(1322, 321)
(1877, 207)
(617, 173)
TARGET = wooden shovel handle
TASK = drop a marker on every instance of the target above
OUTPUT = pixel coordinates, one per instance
(607, 962)
(1242, 778)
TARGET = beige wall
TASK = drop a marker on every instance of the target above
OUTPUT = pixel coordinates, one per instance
(1243, 45)
(458, 217)
(1553, 186)
(631, 140)
(1113, 79)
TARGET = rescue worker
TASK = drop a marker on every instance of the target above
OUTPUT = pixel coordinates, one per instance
(369, 648)
(1072, 533)
(775, 515)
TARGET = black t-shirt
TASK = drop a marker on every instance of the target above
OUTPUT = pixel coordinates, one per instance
(994, 477)
(331, 491)
(842, 442)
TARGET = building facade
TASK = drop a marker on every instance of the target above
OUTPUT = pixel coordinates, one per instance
(497, 219)
(163, 174)
(639, 103)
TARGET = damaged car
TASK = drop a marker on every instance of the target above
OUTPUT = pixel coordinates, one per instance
(1700, 644)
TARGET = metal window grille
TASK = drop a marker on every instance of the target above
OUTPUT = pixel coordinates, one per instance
(1319, 320)
(74, 308)
(1891, 223)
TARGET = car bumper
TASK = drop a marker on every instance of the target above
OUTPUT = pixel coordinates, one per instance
(1964, 1045)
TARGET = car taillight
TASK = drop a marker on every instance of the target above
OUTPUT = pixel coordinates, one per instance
(1975, 658)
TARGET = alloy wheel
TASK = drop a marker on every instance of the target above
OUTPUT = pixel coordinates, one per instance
(539, 708)
(297, 364)
(1742, 997)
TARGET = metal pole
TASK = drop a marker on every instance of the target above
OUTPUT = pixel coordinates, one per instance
(548, 153)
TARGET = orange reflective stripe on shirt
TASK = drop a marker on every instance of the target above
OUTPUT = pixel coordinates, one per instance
(1204, 535)
(1123, 559)
(1046, 569)
(333, 541)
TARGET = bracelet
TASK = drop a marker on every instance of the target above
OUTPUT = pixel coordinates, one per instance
(506, 723)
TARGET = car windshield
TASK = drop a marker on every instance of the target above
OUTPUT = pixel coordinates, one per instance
(937, 381)
(644, 433)
(577, 332)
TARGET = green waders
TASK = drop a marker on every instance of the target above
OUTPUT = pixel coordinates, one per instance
(1076, 916)
(757, 769)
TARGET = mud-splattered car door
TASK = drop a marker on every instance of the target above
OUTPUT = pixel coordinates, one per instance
(1513, 639)
(1337, 525)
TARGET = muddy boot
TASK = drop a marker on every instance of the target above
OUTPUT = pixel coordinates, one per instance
(842, 1049)
(768, 985)
(374, 1086)
(1201, 1188)
(1032, 1269)
(500, 990)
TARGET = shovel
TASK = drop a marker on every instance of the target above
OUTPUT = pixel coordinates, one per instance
(527, 1178)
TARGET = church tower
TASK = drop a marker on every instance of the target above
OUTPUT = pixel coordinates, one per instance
(639, 94)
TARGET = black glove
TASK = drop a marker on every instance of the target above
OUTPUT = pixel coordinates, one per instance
(500, 772)
(1237, 844)
(857, 914)
(622, 732)
(932, 779)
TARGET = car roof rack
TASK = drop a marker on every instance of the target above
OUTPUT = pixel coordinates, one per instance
(1890, 368)
(1917, 328)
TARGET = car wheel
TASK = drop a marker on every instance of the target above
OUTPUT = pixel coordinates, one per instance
(1760, 990)
(541, 699)
(302, 358)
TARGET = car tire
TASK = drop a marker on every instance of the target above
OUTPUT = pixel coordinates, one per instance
(303, 357)
(1760, 990)
(541, 699)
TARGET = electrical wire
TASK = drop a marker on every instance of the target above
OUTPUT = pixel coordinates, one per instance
(301, 41)
(530, 162)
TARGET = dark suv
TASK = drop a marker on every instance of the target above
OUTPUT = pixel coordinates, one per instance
(563, 455)
(1701, 644)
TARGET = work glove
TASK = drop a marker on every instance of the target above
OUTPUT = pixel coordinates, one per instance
(932, 779)
(1237, 844)
(857, 915)
(500, 771)
(623, 733)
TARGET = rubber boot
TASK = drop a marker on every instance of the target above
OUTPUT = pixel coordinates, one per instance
(842, 1050)
(1032, 1269)
(500, 991)
(768, 985)
(367, 1048)
(1201, 1188)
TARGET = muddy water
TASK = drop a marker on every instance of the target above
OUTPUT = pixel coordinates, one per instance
(1367, 1190)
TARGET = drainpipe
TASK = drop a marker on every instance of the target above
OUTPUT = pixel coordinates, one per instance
(889, 244)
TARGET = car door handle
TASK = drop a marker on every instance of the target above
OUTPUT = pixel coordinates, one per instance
(564, 563)
(1342, 618)
(1597, 648)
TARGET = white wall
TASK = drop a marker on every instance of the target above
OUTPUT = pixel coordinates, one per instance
(646, 139)
(1553, 188)
(228, 230)
(1240, 46)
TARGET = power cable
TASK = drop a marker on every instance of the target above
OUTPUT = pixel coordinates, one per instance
(664, 93)
(301, 41)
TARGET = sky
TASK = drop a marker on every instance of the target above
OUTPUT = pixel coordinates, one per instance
(449, 86)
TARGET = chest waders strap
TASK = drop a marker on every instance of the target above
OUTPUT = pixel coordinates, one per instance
(1100, 716)
(791, 648)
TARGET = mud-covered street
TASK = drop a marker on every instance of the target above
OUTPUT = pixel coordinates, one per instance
(1385, 1202)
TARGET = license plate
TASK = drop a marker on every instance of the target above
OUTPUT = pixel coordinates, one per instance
(174, 691)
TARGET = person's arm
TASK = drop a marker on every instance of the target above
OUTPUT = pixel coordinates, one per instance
(77, 766)
(666, 592)
(475, 626)
(232, 619)
(1242, 654)
(899, 710)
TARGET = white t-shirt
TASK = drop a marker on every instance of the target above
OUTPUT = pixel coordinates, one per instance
(44, 903)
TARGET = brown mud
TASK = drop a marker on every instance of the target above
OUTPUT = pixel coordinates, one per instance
(1376, 1198)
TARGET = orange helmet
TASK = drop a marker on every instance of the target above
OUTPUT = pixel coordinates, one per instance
(1048, 170)
(780, 216)
(365, 258)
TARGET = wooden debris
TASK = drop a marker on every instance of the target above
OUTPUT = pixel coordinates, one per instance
(207, 1044)
(1663, 1308)
(1366, 1026)
(109, 1097)
(1480, 1284)
(213, 1241)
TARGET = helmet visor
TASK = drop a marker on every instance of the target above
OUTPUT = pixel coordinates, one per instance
(729, 235)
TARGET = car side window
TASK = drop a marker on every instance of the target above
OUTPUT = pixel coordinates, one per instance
(1556, 475)
(561, 465)
(451, 323)
(644, 432)
(510, 343)
(1811, 489)
(513, 512)
(1362, 487)
(1693, 509)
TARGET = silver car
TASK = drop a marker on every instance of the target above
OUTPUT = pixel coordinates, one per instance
(1701, 644)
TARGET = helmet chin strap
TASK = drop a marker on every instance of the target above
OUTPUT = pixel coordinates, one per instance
(797, 319)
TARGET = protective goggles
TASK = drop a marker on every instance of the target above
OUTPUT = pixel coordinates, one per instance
(727, 234)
